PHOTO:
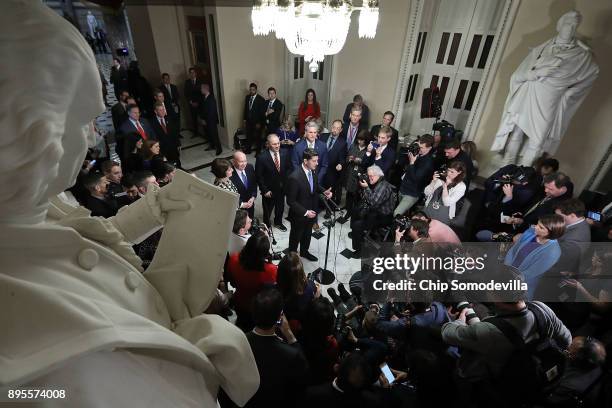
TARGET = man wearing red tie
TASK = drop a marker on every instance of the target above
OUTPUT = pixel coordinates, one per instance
(272, 167)
(135, 124)
(166, 129)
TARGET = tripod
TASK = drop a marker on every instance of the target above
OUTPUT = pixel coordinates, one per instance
(324, 275)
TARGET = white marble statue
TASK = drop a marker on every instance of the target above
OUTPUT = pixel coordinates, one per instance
(77, 314)
(545, 92)
(92, 24)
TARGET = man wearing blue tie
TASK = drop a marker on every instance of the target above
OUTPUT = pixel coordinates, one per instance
(245, 181)
(311, 141)
(303, 192)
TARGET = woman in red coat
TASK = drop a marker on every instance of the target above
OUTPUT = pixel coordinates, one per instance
(308, 110)
(249, 272)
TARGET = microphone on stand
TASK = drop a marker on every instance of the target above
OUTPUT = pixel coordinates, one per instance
(328, 201)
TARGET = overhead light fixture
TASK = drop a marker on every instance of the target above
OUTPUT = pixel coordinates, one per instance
(313, 28)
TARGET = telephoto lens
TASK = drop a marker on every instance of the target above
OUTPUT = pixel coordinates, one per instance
(470, 316)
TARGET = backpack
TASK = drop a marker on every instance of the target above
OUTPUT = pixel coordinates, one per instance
(533, 368)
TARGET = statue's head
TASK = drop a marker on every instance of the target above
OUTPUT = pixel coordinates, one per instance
(51, 92)
(568, 24)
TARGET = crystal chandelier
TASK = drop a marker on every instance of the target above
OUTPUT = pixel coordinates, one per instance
(313, 28)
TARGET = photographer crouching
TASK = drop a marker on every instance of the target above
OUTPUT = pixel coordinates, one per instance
(375, 209)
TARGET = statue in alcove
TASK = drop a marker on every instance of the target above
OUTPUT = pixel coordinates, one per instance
(78, 313)
(546, 90)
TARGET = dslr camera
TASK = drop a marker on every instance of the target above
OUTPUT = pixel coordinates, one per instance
(362, 177)
(414, 148)
(519, 176)
(401, 222)
(442, 171)
(257, 226)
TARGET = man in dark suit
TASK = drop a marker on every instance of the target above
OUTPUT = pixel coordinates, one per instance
(336, 158)
(303, 192)
(119, 77)
(245, 181)
(452, 151)
(418, 172)
(352, 126)
(273, 113)
(119, 110)
(365, 111)
(210, 117)
(557, 188)
(272, 168)
(281, 364)
(98, 203)
(387, 119)
(311, 141)
(380, 153)
(253, 118)
(166, 131)
(136, 124)
(193, 95)
(171, 97)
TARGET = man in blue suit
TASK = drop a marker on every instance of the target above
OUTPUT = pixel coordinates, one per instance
(336, 158)
(380, 153)
(310, 140)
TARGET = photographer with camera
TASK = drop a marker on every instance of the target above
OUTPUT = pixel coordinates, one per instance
(508, 191)
(353, 169)
(445, 191)
(439, 233)
(375, 209)
(418, 172)
(496, 352)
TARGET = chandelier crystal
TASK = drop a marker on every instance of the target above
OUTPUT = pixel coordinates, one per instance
(312, 28)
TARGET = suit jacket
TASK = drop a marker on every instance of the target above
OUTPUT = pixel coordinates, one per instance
(273, 120)
(171, 99)
(127, 127)
(344, 133)
(299, 197)
(320, 147)
(336, 155)
(365, 114)
(282, 370)
(256, 113)
(268, 178)
(386, 161)
(246, 192)
(101, 208)
(394, 135)
(168, 140)
(543, 208)
(580, 234)
(119, 114)
(417, 176)
(192, 92)
(119, 78)
(208, 110)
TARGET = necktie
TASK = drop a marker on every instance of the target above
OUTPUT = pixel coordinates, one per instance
(310, 181)
(251, 102)
(169, 90)
(244, 179)
(532, 209)
(270, 106)
(330, 142)
(141, 131)
(351, 135)
(276, 162)
(162, 122)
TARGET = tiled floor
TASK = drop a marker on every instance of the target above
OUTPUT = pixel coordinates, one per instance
(194, 156)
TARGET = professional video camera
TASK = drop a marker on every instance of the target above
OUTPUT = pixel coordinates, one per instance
(520, 175)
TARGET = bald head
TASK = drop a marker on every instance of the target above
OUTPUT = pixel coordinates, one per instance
(273, 143)
(239, 160)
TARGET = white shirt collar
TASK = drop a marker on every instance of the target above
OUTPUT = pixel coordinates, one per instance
(576, 223)
(336, 386)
